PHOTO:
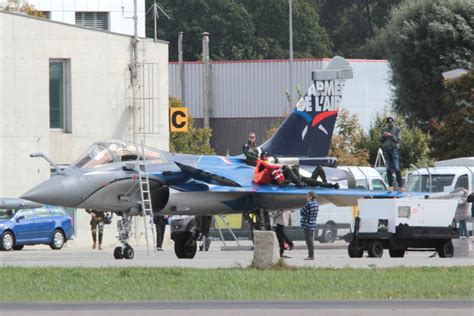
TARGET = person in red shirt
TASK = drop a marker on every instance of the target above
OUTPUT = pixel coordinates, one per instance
(264, 169)
(267, 173)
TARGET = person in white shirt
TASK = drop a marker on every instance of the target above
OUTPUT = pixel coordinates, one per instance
(281, 219)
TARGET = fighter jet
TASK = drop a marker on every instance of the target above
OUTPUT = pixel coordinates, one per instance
(106, 176)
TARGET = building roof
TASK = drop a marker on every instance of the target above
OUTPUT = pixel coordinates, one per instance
(43, 20)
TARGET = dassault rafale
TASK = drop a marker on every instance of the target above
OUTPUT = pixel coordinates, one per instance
(104, 178)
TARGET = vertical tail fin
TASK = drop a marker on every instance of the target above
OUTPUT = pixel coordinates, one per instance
(307, 131)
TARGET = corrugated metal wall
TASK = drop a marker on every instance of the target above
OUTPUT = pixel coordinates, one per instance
(257, 88)
(252, 94)
(229, 134)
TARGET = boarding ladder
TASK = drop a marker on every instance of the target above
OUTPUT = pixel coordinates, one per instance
(145, 198)
(227, 225)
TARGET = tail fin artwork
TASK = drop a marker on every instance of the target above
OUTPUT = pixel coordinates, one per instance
(307, 131)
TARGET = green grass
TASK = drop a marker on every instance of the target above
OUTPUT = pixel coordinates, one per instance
(281, 283)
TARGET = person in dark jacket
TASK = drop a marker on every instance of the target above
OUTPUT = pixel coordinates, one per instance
(160, 225)
(97, 221)
(251, 150)
(390, 139)
(318, 173)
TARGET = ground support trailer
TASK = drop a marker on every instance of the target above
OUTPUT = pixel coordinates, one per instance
(403, 224)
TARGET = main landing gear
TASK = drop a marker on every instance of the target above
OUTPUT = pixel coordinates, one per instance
(258, 219)
(187, 231)
(124, 226)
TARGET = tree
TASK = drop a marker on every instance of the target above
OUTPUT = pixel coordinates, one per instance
(20, 6)
(413, 144)
(241, 29)
(195, 141)
(354, 26)
(346, 141)
(455, 134)
(228, 22)
(271, 21)
(423, 39)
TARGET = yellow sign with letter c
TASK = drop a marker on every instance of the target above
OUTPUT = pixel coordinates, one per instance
(179, 119)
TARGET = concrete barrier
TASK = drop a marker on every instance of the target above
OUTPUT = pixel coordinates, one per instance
(266, 251)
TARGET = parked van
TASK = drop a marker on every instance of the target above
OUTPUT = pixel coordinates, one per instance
(444, 177)
(441, 178)
(336, 221)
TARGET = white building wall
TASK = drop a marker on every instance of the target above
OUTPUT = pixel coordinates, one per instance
(100, 95)
(99, 85)
(120, 12)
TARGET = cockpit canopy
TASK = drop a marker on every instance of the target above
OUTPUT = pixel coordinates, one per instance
(110, 151)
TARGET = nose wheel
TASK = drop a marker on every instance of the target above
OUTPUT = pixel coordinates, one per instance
(126, 252)
(118, 253)
(124, 226)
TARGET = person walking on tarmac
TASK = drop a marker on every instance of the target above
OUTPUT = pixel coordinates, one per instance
(462, 212)
(282, 219)
(251, 150)
(160, 222)
(98, 219)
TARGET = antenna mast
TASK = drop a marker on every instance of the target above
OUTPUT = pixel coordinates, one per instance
(156, 9)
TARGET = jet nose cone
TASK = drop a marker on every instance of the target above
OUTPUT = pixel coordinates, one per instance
(59, 190)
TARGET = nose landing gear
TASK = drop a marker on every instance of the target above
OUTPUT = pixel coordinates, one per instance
(124, 226)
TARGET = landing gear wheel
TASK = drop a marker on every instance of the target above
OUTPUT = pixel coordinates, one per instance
(396, 253)
(128, 252)
(124, 227)
(355, 251)
(446, 249)
(185, 248)
(375, 249)
(118, 253)
(7, 242)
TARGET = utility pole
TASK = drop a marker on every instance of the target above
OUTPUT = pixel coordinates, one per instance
(205, 73)
(181, 66)
(291, 52)
(135, 72)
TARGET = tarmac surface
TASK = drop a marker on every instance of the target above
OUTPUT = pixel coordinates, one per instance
(327, 255)
(230, 308)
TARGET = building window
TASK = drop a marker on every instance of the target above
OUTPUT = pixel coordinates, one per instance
(45, 14)
(462, 182)
(96, 20)
(59, 94)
